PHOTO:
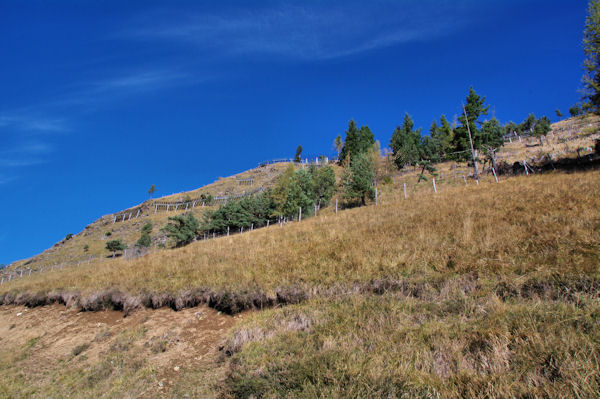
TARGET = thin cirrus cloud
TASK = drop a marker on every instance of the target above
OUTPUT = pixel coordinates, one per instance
(304, 33)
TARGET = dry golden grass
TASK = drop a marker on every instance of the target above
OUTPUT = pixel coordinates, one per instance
(541, 224)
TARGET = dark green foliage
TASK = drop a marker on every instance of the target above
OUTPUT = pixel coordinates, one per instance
(358, 141)
(492, 134)
(597, 147)
(145, 240)
(493, 137)
(406, 143)
(147, 227)
(244, 212)
(298, 156)
(68, 237)
(558, 113)
(358, 181)
(528, 124)
(183, 230)
(575, 110)
(294, 189)
(475, 109)
(542, 127)
(338, 144)
(115, 245)
(591, 45)
(108, 234)
(323, 184)
(86, 247)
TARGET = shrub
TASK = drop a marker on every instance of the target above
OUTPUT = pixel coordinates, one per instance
(183, 230)
(115, 245)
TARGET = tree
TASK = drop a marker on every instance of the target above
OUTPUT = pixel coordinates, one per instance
(406, 143)
(183, 230)
(358, 141)
(591, 47)
(528, 124)
(338, 144)
(575, 110)
(151, 190)
(493, 136)
(542, 128)
(145, 240)
(323, 184)
(86, 247)
(358, 180)
(114, 246)
(558, 113)
(298, 157)
(470, 122)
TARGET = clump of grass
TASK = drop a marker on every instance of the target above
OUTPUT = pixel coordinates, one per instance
(79, 349)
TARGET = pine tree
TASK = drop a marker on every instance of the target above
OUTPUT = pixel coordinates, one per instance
(183, 230)
(493, 138)
(151, 190)
(542, 128)
(115, 245)
(358, 141)
(591, 45)
(406, 143)
(474, 109)
(358, 180)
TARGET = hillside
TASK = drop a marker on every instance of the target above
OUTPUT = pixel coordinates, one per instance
(477, 290)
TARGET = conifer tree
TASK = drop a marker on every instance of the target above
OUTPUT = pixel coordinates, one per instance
(591, 46)
(358, 180)
(406, 143)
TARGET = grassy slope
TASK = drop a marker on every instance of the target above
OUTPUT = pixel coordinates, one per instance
(478, 291)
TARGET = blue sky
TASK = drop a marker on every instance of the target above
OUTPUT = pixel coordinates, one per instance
(101, 99)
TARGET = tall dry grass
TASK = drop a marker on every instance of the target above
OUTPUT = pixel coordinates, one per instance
(540, 226)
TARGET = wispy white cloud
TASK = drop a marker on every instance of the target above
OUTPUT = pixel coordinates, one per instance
(26, 122)
(319, 31)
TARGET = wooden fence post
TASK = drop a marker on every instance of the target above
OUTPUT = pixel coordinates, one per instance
(138, 213)
(300, 214)
(315, 209)
(495, 177)
(405, 191)
(434, 189)
(252, 227)
(525, 166)
(376, 195)
(227, 231)
(336, 202)
(268, 223)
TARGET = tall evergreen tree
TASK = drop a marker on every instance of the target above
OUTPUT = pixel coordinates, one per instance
(474, 109)
(358, 181)
(406, 143)
(591, 46)
(492, 134)
(358, 141)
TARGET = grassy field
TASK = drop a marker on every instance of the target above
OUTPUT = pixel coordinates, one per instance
(486, 290)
